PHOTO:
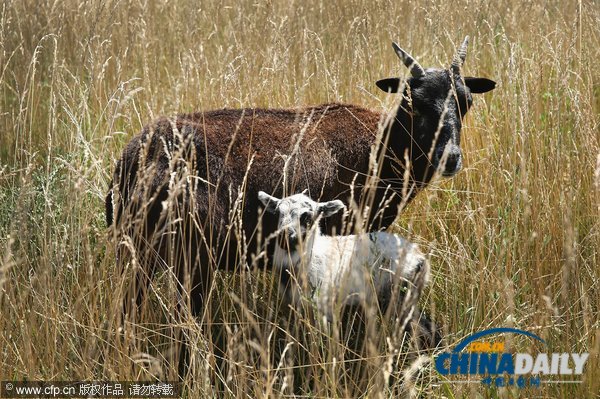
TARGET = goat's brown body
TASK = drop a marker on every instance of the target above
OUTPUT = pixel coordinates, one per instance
(335, 143)
(333, 154)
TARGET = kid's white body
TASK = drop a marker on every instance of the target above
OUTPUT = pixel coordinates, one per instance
(349, 270)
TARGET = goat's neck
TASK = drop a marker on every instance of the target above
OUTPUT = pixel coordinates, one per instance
(393, 144)
(405, 141)
(398, 147)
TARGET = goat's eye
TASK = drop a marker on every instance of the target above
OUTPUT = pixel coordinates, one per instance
(305, 219)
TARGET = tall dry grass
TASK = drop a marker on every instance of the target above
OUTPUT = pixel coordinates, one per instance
(513, 240)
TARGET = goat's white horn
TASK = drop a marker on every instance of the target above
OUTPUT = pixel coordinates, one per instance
(415, 68)
(460, 56)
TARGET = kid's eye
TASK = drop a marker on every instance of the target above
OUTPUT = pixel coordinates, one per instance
(305, 219)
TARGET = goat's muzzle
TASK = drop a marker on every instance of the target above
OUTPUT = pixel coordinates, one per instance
(287, 240)
(450, 160)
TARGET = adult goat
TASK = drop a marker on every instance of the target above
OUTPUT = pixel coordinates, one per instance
(185, 190)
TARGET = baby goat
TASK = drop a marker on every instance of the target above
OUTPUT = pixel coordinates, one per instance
(353, 270)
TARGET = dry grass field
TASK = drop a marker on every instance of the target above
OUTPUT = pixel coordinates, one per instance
(513, 239)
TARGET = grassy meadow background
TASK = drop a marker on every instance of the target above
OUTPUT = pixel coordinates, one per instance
(513, 240)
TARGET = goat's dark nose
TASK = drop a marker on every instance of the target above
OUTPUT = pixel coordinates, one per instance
(453, 162)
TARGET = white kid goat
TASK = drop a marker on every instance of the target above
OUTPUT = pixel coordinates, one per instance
(343, 270)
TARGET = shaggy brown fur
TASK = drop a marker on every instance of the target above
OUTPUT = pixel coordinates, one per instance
(218, 147)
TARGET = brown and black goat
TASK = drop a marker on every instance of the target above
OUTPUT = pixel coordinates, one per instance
(185, 191)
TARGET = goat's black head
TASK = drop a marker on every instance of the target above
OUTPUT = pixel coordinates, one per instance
(297, 216)
(434, 102)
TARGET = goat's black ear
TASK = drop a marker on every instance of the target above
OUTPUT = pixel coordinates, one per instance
(268, 201)
(479, 85)
(330, 207)
(389, 85)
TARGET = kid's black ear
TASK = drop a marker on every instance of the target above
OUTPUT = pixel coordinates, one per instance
(479, 85)
(389, 85)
